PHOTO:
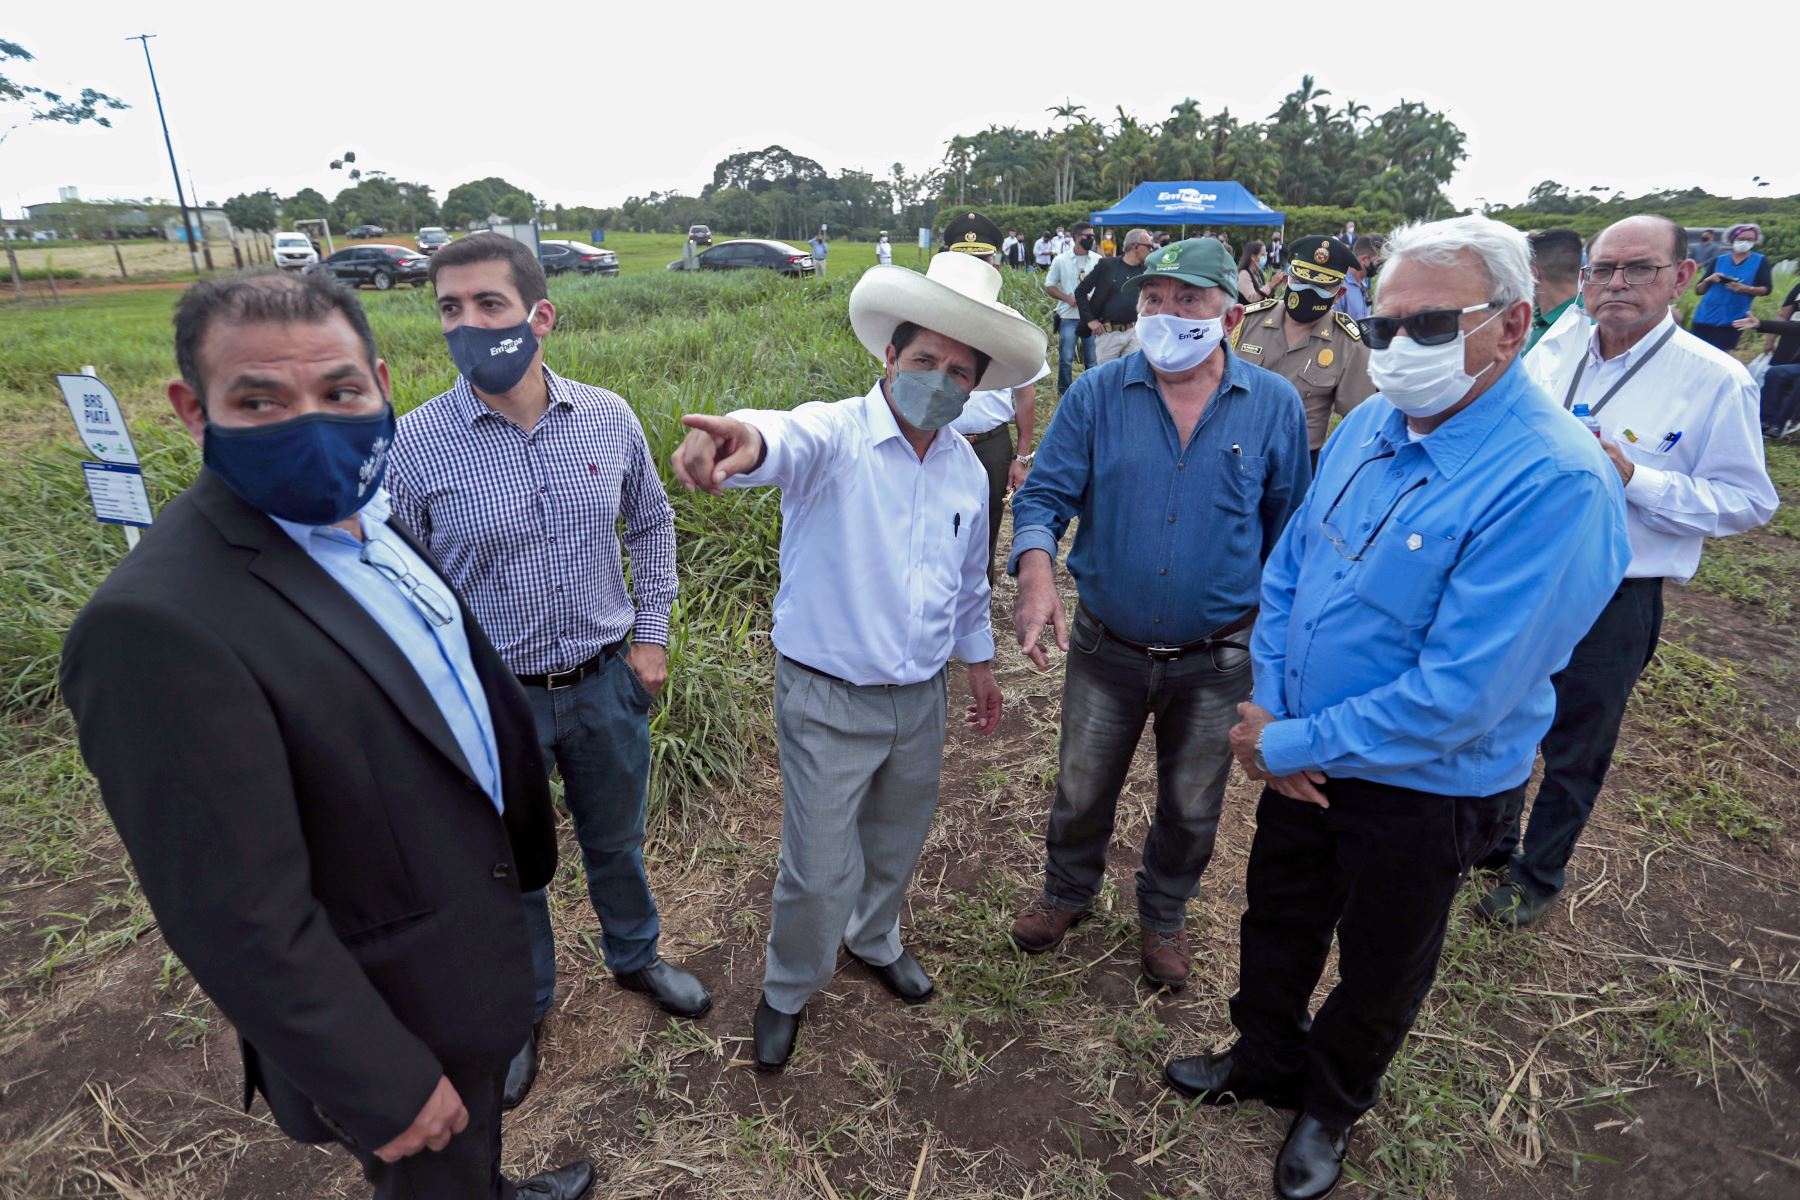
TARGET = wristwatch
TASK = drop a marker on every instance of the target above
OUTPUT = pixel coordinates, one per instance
(1025, 458)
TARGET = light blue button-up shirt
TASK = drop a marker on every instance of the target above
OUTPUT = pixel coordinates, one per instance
(439, 653)
(1488, 548)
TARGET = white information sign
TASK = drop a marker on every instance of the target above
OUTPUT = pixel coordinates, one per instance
(924, 237)
(98, 418)
(117, 493)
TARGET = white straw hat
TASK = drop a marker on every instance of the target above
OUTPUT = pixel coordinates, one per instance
(958, 297)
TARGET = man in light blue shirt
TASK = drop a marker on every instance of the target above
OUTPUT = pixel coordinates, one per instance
(820, 248)
(1461, 535)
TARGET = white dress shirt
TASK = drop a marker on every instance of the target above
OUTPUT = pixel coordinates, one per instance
(992, 407)
(883, 555)
(1709, 481)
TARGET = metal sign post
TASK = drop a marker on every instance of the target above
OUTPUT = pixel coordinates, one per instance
(116, 483)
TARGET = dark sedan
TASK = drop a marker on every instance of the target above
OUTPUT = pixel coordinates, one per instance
(751, 253)
(580, 257)
(380, 266)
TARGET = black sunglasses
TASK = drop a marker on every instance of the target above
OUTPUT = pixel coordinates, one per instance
(1431, 327)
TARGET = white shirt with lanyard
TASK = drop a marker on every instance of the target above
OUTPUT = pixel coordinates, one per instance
(1686, 415)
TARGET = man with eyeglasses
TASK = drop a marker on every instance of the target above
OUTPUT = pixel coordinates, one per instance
(326, 778)
(1181, 463)
(1107, 310)
(1460, 536)
(531, 489)
(1678, 418)
(1298, 336)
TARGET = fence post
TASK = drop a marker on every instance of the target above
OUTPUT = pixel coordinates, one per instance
(239, 254)
(206, 245)
(123, 273)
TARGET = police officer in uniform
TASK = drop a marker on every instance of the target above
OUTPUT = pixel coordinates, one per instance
(1298, 336)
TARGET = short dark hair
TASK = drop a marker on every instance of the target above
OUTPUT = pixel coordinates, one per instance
(905, 333)
(1365, 243)
(264, 295)
(1078, 226)
(527, 272)
(1556, 253)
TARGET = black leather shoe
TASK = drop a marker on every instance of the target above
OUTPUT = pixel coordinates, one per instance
(1311, 1160)
(521, 1072)
(904, 977)
(674, 990)
(774, 1036)
(1219, 1079)
(565, 1183)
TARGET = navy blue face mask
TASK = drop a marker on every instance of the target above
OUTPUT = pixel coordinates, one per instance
(311, 470)
(493, 360)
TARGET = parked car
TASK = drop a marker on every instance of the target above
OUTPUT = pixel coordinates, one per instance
(746, 253)
(700, 235)
(432, 237)
(558, 257)
(295, 252)
(366, 231)
(381, 266)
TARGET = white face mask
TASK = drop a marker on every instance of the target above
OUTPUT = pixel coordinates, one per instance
(1177, 344)
(1423, 381)
(1742, 246)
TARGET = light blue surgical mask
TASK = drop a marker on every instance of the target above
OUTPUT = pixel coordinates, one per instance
(927, 399)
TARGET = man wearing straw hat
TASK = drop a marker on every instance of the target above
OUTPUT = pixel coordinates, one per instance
(883, 577)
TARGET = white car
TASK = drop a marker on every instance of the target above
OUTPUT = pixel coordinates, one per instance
(294, 252)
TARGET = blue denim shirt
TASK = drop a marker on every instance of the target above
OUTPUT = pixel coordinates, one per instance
(1488, 548)
(1172, 538)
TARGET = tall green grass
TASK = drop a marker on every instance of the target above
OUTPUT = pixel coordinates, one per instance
(668, 343)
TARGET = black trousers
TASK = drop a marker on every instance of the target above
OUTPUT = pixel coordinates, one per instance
(995, 450)
(1378, 868)
(466, 1169)
(1591, 694)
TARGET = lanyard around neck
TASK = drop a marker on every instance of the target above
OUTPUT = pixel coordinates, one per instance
(1633, 369)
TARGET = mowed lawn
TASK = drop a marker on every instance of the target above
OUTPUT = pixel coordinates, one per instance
(1640, 1044)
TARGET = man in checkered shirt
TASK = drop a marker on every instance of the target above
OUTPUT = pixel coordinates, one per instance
(527, 487)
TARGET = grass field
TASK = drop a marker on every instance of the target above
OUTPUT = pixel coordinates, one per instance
(1644, 1037)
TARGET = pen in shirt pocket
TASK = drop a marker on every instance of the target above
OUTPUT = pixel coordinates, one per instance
(956, 525)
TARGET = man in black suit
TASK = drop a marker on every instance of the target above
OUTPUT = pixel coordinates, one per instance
(328, 782)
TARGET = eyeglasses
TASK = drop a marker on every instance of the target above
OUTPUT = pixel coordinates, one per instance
(1429, 327)
(1336, 538)
(427, 599)
(1636, 274)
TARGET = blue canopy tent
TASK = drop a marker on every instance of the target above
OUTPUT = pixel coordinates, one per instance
(1194, 203)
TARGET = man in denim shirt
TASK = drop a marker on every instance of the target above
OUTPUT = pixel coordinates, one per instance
(1182, 462)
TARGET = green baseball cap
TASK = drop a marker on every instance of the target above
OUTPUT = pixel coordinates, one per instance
(1201, 261)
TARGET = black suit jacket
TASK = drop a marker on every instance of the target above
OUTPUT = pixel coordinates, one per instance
(303, 822)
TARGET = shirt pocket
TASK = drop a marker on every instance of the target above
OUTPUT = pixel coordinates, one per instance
(1404, 573)
(1241, 485)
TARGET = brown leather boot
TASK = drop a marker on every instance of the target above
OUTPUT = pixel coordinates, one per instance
(1042, 925)
(1165, 957)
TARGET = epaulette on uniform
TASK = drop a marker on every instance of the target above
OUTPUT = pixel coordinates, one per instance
(1260, 305)
(1348, 322)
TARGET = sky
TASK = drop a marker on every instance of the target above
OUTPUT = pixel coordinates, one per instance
(584, 104)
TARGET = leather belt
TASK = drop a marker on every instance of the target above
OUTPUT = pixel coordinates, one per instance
(835, 678)
(1218, 637)
(975, 439)
(1119, 328)
(556, 680)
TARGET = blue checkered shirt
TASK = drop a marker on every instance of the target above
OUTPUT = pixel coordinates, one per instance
(528, 525)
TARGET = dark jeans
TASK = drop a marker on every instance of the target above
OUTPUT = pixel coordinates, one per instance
(995, 450)
(1379, 867)
(1066, 329)
(1725, 337)
(468, 1168)
(1781, 396)
(1108, 694)
(597, 733)
(1591, 693)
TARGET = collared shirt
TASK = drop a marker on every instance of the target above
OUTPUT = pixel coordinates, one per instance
(523, 520)
(1171, 537)
(884, 253)
(1542, 321)
(1472, 560)
(1066, 274)
(1708, 482)
(439, 653)
(883, 555)
(991, 408)
(819, 248)
(1044, 250)
(1354, 303)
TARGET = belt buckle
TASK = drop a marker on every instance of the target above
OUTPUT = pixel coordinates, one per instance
(1164, 653)
(569, 679)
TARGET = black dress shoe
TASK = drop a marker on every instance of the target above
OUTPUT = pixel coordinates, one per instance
(904, 977)
(1220, 1079)
(565, 1183)
(1311, 1160)
(521, 1072)
(774, 1036)
(674, 990)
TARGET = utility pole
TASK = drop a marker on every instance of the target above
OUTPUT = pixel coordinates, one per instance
(180, 196)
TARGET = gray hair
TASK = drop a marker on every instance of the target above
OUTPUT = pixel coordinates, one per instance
(1502, 251)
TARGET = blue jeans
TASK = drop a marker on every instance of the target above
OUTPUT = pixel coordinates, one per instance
(1065, 352)
(1780, 393)
(597, 734)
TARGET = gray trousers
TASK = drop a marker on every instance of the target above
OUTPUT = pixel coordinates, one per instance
(859, 779)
